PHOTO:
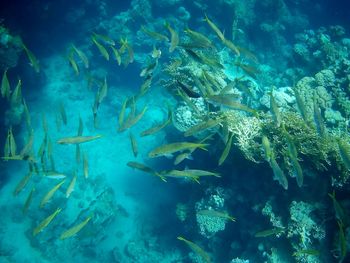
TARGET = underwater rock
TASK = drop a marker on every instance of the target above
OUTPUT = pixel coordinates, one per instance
(325, 78)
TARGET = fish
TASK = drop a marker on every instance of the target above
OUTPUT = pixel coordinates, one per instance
(250, 70)
(344, 151)
(146, 169)
(267, 148)
(33, 60)
(270, 232)
(156, 53)
(75, 229)
(22, 183)
(28, 201)
(122, 113)
(174, 38)
(196, 249)
(338, 209)
(85, 166)
(226, 150)
(102, 92)
(49, 194)
(192, 174)
(214, 213)
(148, 71)
(188, 101)
(125, 46)
(132, 120)
(104, 38)
(154, 35)
(54, 175)
(342, 241)
(145, 86)
(27, 115)
(73, 63)
(5, 86)
(275, 111)
(320, 126)
(199, 39)
(71, 186)
(188, 90)
(26, 151)
(306, 252)
(43, 224)
(81, 55)
(214, 28)
(63, 113)
(228, 102)
(133, 144)
(230, 45)
(100, 47)
(16, 97)
(278, 173)
(300, 104)
(78, 139)
(158, 127)
(117, 56)
(12, 143)
(171, 148)
(293, 156)
(202, 126)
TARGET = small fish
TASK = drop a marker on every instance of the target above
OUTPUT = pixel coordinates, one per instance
(344, 151)
(5, 86)
(28, 201)
(85, 166)
(12, 143)
(198, 38)
(73, 63)
(132, 120)
(101, 48)
(278, 173)
(27, 115)
(196, 249)
(133, 144)
(156, 53)
(171, 148)
(43, 224)
(81, 55)
(49, 194)
(16, 97)
(158, 127)
(215, 28)
(228, 102)
(148, 71)
(54, 175)
(78, 139)
(203, 126)
(182, 156)
(342, 241)
(188, 90)
(230, 45)
(274, 110)
(22, 183)
(71, 186)
(270, 232)
(188, 101)
(320, 126)
(104, 38)
(63, 113)
(122, 113)
(300, 104)
(75, 229)
(267, 148)
(146, 169)
(117, 56)
(226, 150)
(214, 213)
(155, 35)
(338, 209)
(33, 61)
(174, 38)
(126, 46)
(306, 252)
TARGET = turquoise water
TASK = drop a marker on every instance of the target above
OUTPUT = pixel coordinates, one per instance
(258, 91)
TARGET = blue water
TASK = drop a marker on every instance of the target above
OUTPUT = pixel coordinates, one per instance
(246, 213)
